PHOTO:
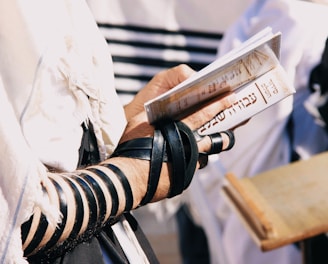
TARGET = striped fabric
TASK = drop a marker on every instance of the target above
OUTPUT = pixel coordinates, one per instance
(139, 52)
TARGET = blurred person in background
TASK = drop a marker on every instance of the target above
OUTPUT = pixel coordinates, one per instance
(281, 134)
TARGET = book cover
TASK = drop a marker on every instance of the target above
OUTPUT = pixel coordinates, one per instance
(251, 99)
(255, 59)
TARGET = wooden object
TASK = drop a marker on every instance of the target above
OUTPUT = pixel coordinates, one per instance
(284, 205)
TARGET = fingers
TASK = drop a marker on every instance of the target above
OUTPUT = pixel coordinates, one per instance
(159, 84)
(217, 142)
(167, 79)
(214, 144)
(178, 74)
(222, 141)
(209, 111)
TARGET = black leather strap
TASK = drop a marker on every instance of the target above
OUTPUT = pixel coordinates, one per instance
(152, 149)
(157, 157)
(216, 143)
(191, 152)
(176, 153)
(91, 198)
(139, 148)
(125, 183)
(99, 195)
(63, 209)
(42, 228)
(231, 137)
(184, 151)
(173, 142)
(112, 190)
(25, 229)
(79, 211)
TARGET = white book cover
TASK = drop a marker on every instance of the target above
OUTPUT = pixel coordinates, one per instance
(251, 99)
(252, 64)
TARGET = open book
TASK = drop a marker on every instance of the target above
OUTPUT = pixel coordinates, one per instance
(252, 71)
(283, 205)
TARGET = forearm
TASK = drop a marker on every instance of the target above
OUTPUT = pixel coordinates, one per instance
(155, 164)
(87, 199)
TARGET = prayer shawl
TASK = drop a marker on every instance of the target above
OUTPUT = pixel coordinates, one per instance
(55, 74)
(264, 142)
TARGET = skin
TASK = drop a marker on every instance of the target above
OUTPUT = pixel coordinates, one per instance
(135, 170)
(139, 127)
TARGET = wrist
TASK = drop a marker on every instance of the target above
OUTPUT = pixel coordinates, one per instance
(138, 176)
(137, 127)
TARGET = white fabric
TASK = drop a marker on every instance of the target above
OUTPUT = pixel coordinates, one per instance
(263, 143)
(170, 24)
(52, 57)
(20, 176)
(129, 242)
(206, 16)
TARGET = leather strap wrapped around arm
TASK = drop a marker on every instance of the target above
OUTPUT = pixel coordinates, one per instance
(173, 142)
(89, 198)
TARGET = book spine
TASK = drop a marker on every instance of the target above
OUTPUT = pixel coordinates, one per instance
(251, 99)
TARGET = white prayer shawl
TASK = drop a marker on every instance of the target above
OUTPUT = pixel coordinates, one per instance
(263, 143)
(55, 74)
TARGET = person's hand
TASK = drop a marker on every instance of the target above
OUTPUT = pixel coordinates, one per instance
(159, 84)
(137, 121)
(139, 127)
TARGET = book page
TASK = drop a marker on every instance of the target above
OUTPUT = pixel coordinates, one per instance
(251, 99)
(253, 58)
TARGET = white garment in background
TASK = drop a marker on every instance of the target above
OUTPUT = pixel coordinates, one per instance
(147, 36)
(263, 143)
